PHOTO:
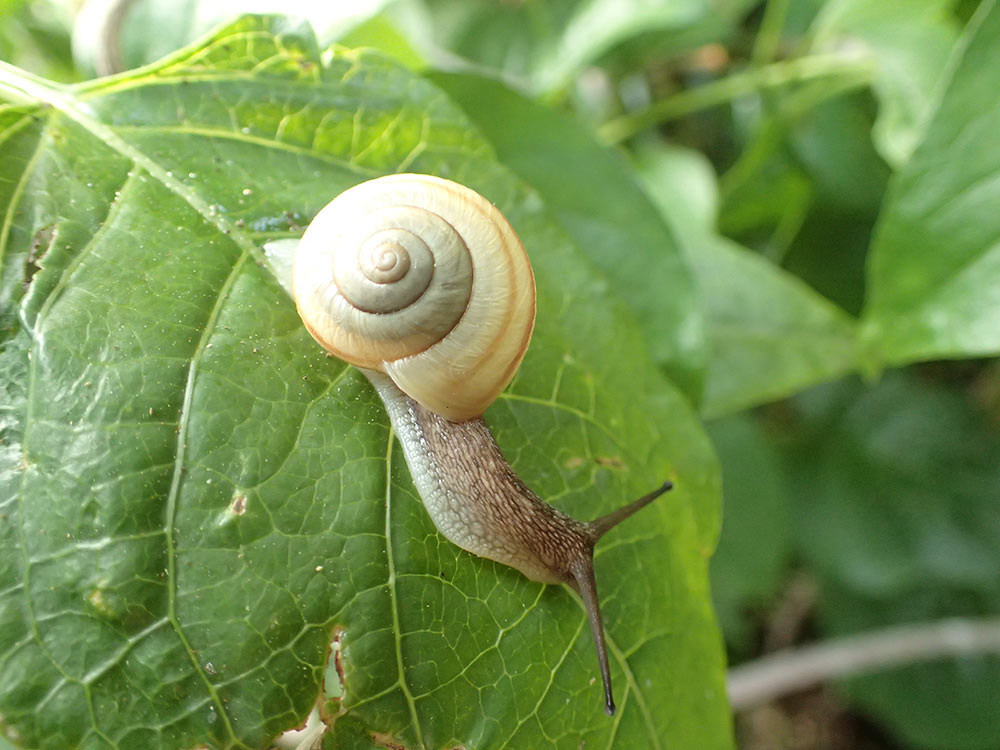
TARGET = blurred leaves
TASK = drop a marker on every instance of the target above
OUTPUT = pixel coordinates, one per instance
(544, 45)
(36, 36)
(903, 488)
(754, 548)
(152, 29)
(769, 334)
(898, 515)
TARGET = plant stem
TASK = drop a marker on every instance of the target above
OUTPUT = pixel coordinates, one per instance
(23, 88)
(787, 671)
(786, 72)
(765, 46)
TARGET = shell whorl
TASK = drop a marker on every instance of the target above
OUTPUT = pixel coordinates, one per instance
(423, 279)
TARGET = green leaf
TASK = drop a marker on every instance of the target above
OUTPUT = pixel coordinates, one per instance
(546, 44)
(196, 501)
(894, 473)
(910, 44)
(936, 255)
(755, 544)
(151, 29)
(596, 198)
(381, 33)
(681, 182)
(769, 334)
(900, 521)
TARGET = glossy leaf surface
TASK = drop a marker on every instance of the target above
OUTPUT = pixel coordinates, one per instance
(196, 501)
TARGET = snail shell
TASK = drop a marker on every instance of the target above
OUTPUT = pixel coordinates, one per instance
(423, 279)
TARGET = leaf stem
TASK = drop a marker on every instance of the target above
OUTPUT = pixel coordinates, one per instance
(28, 88)
(852, 68)
(21, 87)
(787, 671)
(765, 45)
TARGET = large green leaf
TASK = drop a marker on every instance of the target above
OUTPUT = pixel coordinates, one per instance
(197, 502)
(935, 262)
(769, 334)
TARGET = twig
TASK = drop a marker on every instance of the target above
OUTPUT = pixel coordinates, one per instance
(849, 67)
(791, 613)
(785, 672)
(765, 46)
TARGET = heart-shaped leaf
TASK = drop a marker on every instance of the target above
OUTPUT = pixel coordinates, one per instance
(199, 508)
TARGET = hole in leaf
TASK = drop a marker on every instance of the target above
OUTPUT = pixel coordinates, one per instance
(41, 243)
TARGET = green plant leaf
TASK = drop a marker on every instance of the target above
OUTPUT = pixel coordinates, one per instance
(151, 29)
(910, 44)
(769, 334)
(936, 255)
(196, 502)
(899, 520)
(545, 44)
(596, 198)
(681, 182)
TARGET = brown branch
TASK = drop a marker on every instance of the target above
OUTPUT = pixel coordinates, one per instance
(787, 671)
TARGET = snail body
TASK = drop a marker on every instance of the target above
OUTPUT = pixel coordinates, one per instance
(438, 263)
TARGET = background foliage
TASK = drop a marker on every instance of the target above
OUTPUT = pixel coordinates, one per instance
(787, 209)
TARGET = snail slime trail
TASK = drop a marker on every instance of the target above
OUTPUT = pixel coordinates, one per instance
(402, 276)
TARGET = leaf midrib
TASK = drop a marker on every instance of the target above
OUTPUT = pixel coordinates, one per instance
(62, 100)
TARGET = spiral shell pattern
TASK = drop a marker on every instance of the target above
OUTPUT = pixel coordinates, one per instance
(423, 279)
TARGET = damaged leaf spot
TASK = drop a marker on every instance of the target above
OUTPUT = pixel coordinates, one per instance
(333, 677)
(41, 243)
(387, 741)
(611, 462)
(239, 504)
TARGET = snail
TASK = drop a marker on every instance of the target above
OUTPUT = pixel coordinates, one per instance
(424, 286)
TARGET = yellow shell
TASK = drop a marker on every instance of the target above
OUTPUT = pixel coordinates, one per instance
(422, 279)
